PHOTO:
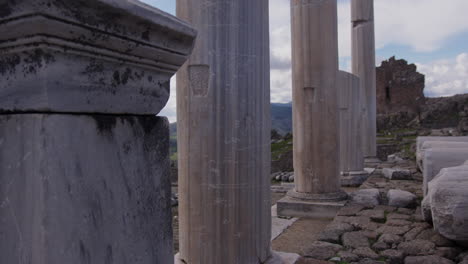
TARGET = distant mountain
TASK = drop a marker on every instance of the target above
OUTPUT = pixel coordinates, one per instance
(281, 119)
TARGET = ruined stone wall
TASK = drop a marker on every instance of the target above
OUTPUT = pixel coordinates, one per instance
(400, 88)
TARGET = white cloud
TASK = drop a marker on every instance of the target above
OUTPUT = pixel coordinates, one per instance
(422, 25)
(171, 107)
(446, 77)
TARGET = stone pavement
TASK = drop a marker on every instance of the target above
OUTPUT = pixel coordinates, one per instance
(367, 234)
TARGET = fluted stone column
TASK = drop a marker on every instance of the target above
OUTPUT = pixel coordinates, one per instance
(350, 105)
(223, 110)
(315, 108)
(363, 65)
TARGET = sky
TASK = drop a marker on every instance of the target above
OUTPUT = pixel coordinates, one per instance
(432, 34)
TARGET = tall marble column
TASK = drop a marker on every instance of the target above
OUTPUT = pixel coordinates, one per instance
(350, 105)
(223, 110)
(315, 108)
(363, 65)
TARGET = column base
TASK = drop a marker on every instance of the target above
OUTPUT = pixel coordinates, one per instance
(276, 258)
(296, 204)
(353, 178)
(282, 258)
(372, 160)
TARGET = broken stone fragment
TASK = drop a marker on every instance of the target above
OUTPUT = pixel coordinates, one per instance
(399, 198)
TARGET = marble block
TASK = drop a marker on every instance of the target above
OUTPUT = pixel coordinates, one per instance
(439, 158)
(445, 142)
(102, 56)
(84, 189)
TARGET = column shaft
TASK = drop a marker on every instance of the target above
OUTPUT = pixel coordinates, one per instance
(223, 109)
(351, 119)
(363, 65)
(315, 97)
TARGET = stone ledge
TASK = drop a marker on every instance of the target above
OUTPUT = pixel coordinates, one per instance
(298, 208)
(112, 57)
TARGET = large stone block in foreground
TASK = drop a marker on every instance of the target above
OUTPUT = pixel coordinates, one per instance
(425, 143)
(448, 201)
(438, 158)
(101, 56)
(84, 189)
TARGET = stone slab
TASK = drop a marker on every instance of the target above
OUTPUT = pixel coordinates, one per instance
(437, 159)
(84, 189)
(276, 258)
(279, 224)
(354, 178)
(80, 56)
(297, 208)
(429, 144)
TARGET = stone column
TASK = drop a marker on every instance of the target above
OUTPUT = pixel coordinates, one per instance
(350, 105)
(223, 110)
(84, 162)
(315, 110)
(363, 66)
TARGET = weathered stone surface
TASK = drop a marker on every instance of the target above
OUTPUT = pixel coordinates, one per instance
(448, 252)
(393, 256)
(363, 65)
(85, 189)
(354, 179)
(406, 211)
(397, 174)
(355, 240)
(394, 230)
(119, 56)
(224, 129)
(340, 227)
(425, 143)
(427, 260)
(417, 247)
(399, 198)
(366, 197)
(400, 88)
(390, 239)
(398, 222)
(322, 250)
(398, 216)
(426, 212)
(437, 159)
(351, 118)
(365, 252)
(374, 215)
(359, 222)
(386, 208)
(413, 233)
(380, 246)
(350, 210)
(311, 261)
(464, 260)
(315, 95)
(370, 261)
(448, 199)
(347, 256)
(421, 140)
(331, 236)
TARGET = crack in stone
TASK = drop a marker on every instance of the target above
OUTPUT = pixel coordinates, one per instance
(360, 22)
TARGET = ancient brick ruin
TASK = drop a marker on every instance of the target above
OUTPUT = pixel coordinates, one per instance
(400, 88)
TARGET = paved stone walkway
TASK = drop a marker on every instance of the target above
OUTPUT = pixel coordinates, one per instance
(374, 234)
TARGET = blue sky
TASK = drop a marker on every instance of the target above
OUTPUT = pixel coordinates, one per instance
(430, 33)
